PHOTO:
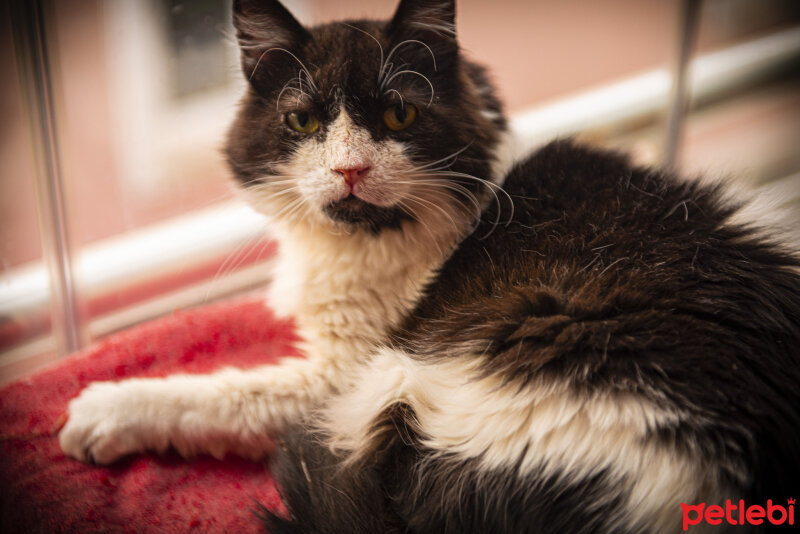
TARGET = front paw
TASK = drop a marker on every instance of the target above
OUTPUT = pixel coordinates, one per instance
(103, 424)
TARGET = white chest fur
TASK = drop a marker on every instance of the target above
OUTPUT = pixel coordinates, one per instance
(347, 291)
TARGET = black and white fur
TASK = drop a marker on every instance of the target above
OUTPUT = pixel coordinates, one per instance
(572, 345)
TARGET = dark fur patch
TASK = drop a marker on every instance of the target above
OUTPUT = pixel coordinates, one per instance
(618, 278)
(355, 211)
(403, 487)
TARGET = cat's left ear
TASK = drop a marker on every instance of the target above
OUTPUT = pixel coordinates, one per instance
(430, 21)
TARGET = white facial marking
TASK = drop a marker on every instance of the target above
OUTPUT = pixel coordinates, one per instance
(346, 145)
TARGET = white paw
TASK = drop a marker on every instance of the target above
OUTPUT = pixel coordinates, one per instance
(104, 424)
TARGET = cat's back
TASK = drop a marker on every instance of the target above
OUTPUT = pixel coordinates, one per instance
(576, 217)
(614, 278)
(605, 239)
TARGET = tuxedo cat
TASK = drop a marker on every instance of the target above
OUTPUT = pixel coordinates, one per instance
(571, 345)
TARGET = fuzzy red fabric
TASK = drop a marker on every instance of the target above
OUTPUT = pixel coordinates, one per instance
(44, 491)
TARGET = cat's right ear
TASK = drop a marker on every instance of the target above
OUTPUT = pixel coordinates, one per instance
(434, 20)
(265, 31)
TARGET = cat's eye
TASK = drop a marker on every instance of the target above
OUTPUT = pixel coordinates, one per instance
(303, 122)
(400, 118)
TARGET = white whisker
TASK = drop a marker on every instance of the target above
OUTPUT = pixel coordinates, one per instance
(398, 94)
(491, 185)
(421, 222)
(302, 66)
(409, 71)
(231, 262)
(456, 188)
(452, 156)
(289, 209)
(394, 49)
(428, 202)
(288, 86)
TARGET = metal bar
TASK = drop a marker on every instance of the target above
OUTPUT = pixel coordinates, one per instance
(679, 94)
(33, 63)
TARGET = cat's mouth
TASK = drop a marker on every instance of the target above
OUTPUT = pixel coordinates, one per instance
(350, 203)
(355, 211)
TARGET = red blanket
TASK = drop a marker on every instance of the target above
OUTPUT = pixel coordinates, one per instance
(41, 490)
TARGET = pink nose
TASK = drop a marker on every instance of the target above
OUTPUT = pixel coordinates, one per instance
(352, 175)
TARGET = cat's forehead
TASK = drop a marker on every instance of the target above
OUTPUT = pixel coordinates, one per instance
(355, 60)
(358, 43)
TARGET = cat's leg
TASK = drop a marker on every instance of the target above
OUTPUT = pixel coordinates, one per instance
(483, 454)
(229, 411)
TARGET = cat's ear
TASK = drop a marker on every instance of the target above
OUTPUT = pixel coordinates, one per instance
(431, 21)
(264, 25)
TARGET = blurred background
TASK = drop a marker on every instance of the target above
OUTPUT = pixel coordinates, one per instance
(115, 202)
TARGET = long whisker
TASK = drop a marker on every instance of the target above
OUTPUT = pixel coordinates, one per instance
(394, 49)
(492, 188)
(409, 71)
(275, 188)
(253, 184)
(228, 36)
(428, 202)
(491, 185)
(302, 66)
(231, 262)
(282, 193)
(290, 209)
(398, 94)
(468, 195)
(272, 183)
(410, 210)
(452, 156)
(308, 79)
(488, 183)
(496, 220)
(287, 87)
(442, 184)
(300, 83)
(387, 70)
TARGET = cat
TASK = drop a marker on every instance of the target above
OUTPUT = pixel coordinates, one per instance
(567, 344)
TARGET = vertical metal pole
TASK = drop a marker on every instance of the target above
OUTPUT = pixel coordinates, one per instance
(27, 17)
(679, 95)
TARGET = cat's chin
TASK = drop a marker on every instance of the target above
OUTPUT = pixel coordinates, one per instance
(356, 212)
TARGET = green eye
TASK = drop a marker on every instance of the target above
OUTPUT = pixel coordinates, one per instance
(397, 118)
(302, 122)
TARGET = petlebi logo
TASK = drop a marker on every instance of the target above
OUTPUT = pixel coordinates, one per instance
(738, 513)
